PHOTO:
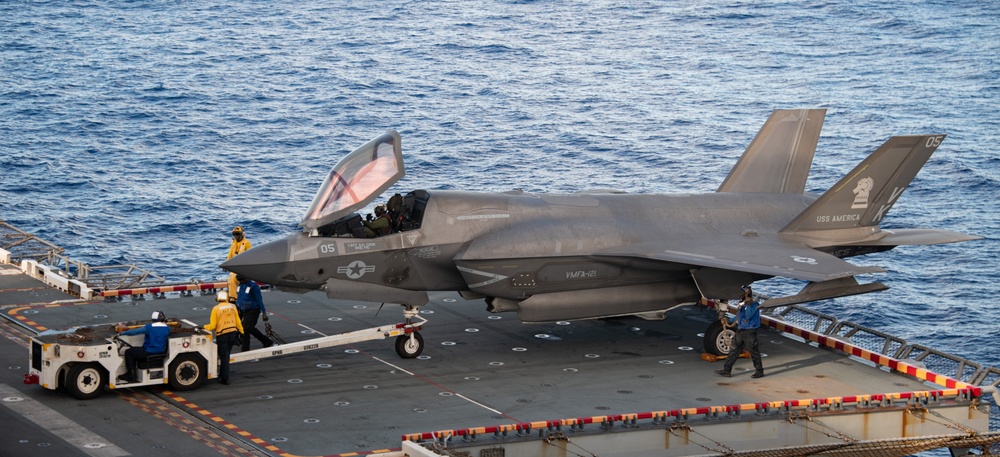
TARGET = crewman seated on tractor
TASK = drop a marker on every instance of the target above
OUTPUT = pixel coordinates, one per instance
(157, 333)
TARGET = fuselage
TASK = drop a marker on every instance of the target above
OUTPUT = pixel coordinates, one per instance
(516, 245)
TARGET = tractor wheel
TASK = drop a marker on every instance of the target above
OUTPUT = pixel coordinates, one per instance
(187, 372)
(86, 380)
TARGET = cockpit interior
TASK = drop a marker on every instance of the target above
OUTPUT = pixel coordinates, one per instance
(404, 212)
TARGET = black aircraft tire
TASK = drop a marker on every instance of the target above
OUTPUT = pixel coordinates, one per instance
(187, 372)
(85, 380)
(718, 340)
(409, 346)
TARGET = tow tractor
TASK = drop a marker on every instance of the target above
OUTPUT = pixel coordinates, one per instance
(87, 359)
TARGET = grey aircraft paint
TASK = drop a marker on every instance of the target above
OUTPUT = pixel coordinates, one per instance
(551, 257)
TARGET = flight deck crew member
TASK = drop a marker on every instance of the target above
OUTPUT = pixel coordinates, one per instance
(381, 225)
(747, 321)
(251, 305)
(239, 245)
(155, 342)
(225, 322)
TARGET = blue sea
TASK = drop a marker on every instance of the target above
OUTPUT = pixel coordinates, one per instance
(143, 131)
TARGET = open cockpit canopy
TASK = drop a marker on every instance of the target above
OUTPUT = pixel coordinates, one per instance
(357, 180)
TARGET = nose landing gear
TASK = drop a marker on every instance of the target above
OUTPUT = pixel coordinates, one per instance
(411, 344)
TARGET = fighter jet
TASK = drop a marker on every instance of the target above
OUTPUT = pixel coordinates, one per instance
(598, 254)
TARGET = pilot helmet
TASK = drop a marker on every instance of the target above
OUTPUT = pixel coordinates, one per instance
(222, 296)
(380, 210)
(158, 316)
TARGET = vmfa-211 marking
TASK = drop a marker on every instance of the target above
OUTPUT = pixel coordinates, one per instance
(595, 254)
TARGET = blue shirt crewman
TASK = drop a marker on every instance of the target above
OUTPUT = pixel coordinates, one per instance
(747, 320)
(251, 305)
(157, 333)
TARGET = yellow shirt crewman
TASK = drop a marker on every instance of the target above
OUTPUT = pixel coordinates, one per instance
(225, 322)
(239, 245)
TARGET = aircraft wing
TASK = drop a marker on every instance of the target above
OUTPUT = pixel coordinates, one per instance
(771, 255)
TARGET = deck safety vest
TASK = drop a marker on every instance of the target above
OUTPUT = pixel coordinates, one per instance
(225, 319)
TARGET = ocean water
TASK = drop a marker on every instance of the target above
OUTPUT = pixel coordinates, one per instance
(143, 131)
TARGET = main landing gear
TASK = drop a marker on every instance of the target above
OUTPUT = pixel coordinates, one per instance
(719, 338)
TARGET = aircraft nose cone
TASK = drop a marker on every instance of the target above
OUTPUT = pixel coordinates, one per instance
(264, 263)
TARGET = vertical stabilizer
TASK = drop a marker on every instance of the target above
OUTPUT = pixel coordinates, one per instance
(780, 156)
(864, 196)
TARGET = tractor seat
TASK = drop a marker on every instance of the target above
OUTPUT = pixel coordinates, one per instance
(151, 360)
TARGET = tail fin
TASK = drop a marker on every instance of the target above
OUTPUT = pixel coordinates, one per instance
(779, 157)
(865, 195)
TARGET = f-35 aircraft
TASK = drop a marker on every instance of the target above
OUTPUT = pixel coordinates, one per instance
(597, 254)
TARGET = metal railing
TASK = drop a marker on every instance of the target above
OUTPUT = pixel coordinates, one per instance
(891, 346)
(25, 246)
(880, 342)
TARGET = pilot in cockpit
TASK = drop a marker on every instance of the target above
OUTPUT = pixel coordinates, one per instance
(380, 224)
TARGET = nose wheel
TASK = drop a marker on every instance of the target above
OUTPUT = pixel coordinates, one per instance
(411, 344)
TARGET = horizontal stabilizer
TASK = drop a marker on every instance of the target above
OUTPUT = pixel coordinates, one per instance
(814, 291)
(908, 237)
(762, 254)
